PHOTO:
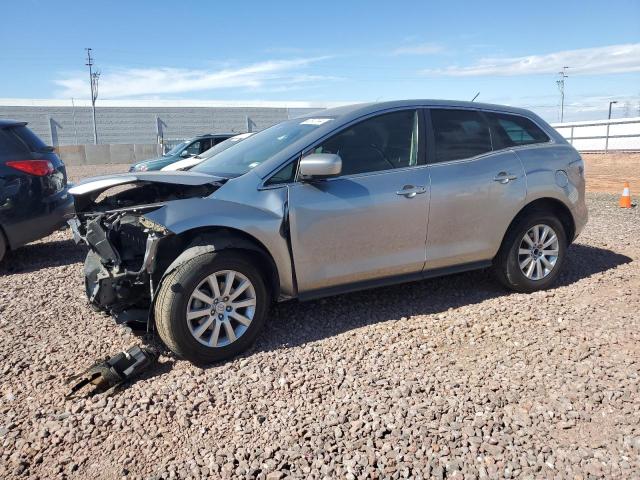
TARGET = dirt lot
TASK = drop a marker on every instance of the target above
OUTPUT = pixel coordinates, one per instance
(606, 173)
(451, 377)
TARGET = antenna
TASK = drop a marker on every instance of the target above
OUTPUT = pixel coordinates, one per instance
(474, 98)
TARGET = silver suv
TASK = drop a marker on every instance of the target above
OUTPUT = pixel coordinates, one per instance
(344, 199)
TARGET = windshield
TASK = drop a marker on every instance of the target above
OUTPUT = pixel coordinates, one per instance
(176, 149)
(257, 149)
(222, 146)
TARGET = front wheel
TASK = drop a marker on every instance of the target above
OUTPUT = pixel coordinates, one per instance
(532, 253)
(212, 307)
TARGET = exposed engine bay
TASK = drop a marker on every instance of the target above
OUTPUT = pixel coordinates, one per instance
(123, 243)
(141, 194)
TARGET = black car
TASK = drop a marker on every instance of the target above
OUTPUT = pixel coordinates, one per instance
(33, 187)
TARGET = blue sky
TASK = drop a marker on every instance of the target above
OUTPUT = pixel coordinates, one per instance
(330, 51)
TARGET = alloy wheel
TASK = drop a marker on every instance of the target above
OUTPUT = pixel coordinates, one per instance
(538, 252)
(221, 308)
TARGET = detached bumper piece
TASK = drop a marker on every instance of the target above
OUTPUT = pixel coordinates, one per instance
(108, 375)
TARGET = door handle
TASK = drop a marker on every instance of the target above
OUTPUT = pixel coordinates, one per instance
(410, 191)
(504, 177)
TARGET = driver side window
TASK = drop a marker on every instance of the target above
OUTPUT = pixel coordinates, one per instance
(380, 143)
(194, 148)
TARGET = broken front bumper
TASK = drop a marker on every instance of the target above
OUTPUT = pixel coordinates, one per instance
(111, 283)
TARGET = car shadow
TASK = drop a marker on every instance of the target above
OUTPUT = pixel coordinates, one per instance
(42, 254)
(297, 323)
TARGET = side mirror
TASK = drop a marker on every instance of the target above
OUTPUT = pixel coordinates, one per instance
(320, 165)
(185, 154)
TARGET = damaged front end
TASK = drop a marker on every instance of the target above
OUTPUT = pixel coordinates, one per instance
(123, 244)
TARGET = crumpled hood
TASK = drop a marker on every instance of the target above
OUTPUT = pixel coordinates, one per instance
(153, 187)
(102, 183)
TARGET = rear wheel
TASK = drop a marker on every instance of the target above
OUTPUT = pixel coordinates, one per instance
(532, 253)
(212, 307)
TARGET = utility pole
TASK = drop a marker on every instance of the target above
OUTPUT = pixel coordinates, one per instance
(93, 81)
(606, 142)
(73, 111)
(610, 104)
(560, 83)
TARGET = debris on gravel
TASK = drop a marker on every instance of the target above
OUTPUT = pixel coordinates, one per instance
(447, 378)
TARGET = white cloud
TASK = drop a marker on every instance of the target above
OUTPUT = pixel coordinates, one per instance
(419, 49)
(599, 60)
(576, 107)
(136, 82)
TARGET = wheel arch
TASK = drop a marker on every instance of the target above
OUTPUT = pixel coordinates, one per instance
(181, 247)
(552, 205)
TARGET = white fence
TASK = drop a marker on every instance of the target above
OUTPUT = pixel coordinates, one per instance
(620, 135)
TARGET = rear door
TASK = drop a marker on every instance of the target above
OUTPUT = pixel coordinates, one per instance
(475, 190)
(371, 222)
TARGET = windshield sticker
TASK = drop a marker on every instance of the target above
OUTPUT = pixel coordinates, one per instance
(316, 121)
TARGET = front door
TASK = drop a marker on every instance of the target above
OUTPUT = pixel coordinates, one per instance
(370, 222)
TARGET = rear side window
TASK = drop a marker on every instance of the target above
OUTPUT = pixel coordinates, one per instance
(205, 144)
(459, 134)
(19, 140)
(514, 130)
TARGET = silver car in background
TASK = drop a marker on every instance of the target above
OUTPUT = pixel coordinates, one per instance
(343, 199)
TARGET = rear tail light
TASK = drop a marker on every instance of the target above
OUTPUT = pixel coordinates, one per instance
(39, 168)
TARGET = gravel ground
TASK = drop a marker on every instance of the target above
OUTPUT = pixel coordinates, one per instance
(451, 377)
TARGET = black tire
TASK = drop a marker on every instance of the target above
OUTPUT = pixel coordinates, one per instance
(173, 297)
(506, 265)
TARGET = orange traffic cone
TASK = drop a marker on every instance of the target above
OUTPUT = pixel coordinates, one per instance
(625, 199)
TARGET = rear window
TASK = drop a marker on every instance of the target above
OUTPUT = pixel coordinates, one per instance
(514, 130)
(459, 134)
(19, 140)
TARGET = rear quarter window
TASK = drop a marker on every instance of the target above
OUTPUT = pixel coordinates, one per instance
(514, 130)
